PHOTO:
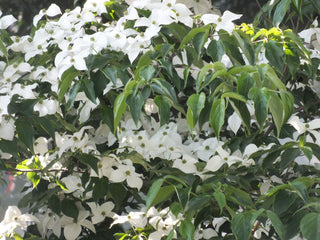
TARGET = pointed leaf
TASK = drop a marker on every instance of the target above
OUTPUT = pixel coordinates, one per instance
(310, 226)
(276, 223)
(153, 192)
(187, 229)
(217, 114)
(135, 103)
(147, 72)
(196, 104)
(261, 99)
(66, 80)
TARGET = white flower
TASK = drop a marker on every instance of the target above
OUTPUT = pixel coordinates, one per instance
(15, 219)
(52, 11)
(100, 212)
(40, 145)
(6, 21)
(73, 183)
(223, 157)
(72, 228)
(137, 219)
(46, 107)
(186, 164)
(126, 172)
(224, 22)
(7, 128)
(205, 149)
(97, 6)
(150, 107)
(306, 127)
(49, 221)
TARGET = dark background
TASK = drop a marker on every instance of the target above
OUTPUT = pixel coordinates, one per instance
(24, 10)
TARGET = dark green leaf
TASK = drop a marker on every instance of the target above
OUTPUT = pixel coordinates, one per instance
(195, 103)
(111, 74)
(242, 223)
(261, 99)
(280, 12)
(135, 103)
(186, 229)
(215, 50)
(245, 46)
(153, 192)
(107, 116)
(147, 72)
(89, 160)
(199, 41)
(275, 54)
(100, 189)
(163, 194)
(72, 94)
(25, 132)
(88, 87)
(69, 208)
(276, 223)
(217, 115)
(221, 200)
(164, 108)
(310, 226)
(66, 80)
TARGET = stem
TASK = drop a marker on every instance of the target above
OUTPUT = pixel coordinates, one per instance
(256, 226)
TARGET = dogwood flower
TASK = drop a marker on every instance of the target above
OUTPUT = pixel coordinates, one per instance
(72, 228)
(224, 22)
(223, 157)
(46, 107)
(6, 21)
(302, 127)
(52, 11)
(126, 172)
(100, 212)
(7, 128)
(14, 219)
(186, 164)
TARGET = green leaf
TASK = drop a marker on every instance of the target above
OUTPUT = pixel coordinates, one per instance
(186, 229)
(275, 54)
(245, 82)
(135, 103)
(215, 50)
(197, 203)
(310, 226)
(3, 49)
(191, 35)
(88, 87)
(288, 156)
(164, 109)
(111, 74)
(119, 109)
(242, 223)
(100, 189)
(89, 160)
(34, 178)
(234, 96)
(276, 109)
(301, 189)
(153, 192)
(69, 208)
(25, 132)
(277, 224)
(176, 208)
(245, 46)
(147, 72)
(288, 104)
(195, 103)
(217, 114)
(261, 98)
(107, 116)
(72, 95)
(280, 12)
(66, 80)
(221, 200)
(238, 196)
(163, 194)
(199, 41)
